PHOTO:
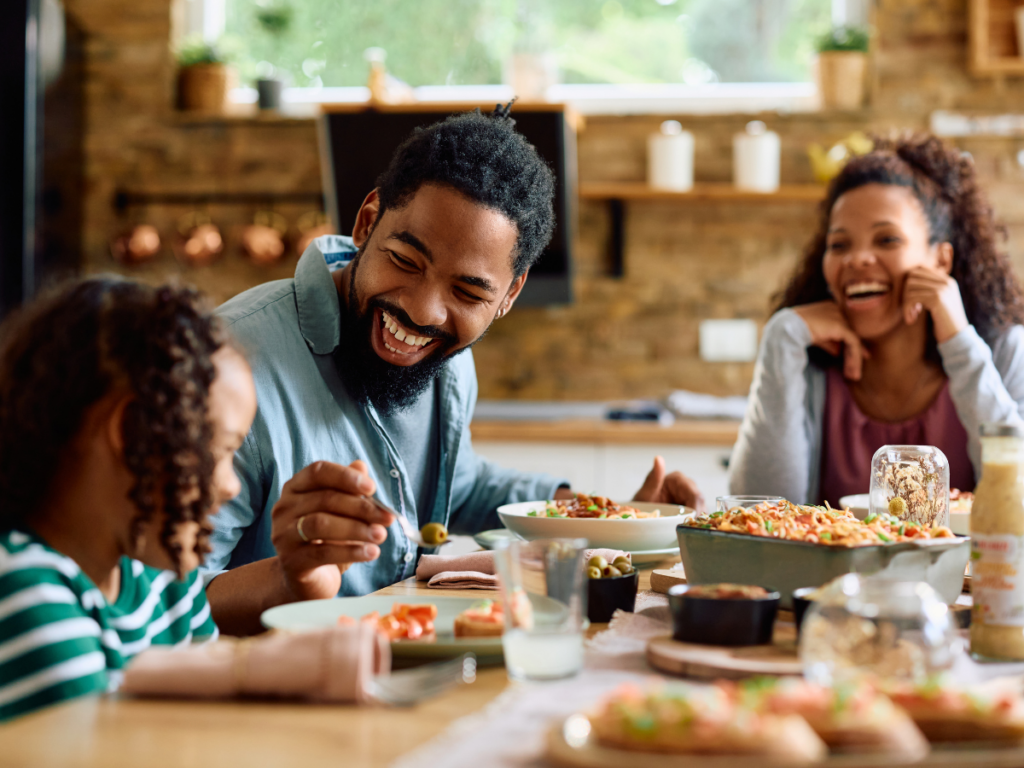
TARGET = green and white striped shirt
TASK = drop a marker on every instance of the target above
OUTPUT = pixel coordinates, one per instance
(60, 638)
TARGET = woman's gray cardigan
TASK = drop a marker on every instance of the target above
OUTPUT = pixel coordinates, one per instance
(779, 447)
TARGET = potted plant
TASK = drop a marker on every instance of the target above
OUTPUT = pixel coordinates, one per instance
(202, 77)
(842, 67)
(275, 20)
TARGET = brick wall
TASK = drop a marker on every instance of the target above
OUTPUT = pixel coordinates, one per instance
(623, 337)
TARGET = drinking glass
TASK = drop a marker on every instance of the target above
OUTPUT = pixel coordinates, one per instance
(544, 602)
(725, 503)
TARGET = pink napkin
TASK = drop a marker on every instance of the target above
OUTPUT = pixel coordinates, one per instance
(607, 554)
(333, 664)
(473, 571)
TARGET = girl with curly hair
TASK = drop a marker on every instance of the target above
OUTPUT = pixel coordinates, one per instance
(901, 325)
(121, 407)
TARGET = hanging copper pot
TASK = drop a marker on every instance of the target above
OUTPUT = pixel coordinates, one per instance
(199, 241)
(263, 240)
(139, 244)
(311, 225)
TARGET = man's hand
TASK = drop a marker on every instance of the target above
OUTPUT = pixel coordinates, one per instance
(341, 527)
(830, 331)
(938, 293)
(672, 488)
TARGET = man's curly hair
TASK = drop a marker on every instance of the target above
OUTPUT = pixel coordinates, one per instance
(484, 158)
(945, 183)
(67, 351)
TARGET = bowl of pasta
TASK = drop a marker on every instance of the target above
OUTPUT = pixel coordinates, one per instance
(632, 526)
(787, 546)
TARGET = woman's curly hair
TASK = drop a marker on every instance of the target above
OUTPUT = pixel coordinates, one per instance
(65, 352)
(944, 181)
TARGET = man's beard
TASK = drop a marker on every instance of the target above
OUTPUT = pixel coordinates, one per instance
(370, 379)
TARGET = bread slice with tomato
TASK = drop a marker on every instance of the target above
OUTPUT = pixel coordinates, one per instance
(482, 619)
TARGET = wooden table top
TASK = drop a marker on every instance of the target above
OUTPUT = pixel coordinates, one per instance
(129, 733)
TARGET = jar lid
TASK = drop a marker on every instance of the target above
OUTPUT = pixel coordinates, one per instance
(1002, 429)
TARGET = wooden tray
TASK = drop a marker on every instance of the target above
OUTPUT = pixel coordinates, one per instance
(586, 753)
(710, 662)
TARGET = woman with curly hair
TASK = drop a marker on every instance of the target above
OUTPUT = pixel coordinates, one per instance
(121, 408)
(901, 325)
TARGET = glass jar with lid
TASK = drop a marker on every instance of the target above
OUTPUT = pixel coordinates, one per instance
(910, 482)
(997, 546)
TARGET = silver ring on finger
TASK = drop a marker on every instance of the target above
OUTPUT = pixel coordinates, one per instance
(298, 528)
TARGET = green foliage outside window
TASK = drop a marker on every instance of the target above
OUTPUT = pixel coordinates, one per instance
(466, 42)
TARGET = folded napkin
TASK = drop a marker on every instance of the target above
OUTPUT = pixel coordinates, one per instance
(334, 664)
(473, 571)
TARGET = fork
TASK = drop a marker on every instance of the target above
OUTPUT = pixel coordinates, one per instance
(405, 688)
(413, 535)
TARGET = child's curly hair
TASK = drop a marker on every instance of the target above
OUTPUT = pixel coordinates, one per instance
(68, 350)
(944, 181)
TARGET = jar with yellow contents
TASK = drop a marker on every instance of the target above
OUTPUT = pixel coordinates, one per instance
(997, 546)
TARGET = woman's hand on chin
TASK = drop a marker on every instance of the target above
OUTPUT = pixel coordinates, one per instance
(830, 331)
(932, 290)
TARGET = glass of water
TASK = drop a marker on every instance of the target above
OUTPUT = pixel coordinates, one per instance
(544, 601)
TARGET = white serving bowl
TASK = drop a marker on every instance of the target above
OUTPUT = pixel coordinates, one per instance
(631, 535)
(959, 521)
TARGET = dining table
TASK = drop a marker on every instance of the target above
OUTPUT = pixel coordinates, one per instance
(121, 732)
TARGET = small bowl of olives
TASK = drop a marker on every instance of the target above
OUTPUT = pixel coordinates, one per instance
(610, 586)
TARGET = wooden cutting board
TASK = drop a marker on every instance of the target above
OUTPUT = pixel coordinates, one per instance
(664, 578)
(708, 662)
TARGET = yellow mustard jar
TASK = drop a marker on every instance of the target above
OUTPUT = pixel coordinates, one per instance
(997, 546)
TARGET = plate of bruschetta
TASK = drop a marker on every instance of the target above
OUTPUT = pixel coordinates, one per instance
(418, 626)
(789, 721)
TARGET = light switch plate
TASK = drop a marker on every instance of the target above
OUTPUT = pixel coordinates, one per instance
(728, 341)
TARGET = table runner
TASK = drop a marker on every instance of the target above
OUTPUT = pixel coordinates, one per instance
(512, 729)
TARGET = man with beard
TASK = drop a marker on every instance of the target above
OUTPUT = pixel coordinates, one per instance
(365, 385)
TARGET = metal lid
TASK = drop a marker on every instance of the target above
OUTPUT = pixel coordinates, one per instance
(1002, 429)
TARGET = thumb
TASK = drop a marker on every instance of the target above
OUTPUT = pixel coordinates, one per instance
(652, 484)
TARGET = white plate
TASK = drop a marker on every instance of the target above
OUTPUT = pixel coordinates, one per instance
(857, 503)
(631, 535)
(314, 614)
(959, 522)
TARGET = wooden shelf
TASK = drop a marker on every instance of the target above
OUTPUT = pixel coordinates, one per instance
(993, 38)
(726, 193)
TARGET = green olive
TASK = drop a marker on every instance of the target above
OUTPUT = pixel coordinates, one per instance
(625, 569)
(434, 534)
(623, 560)
(598, 562)
(594, 572)
(611, 572)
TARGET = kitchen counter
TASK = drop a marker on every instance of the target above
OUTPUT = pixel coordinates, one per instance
(607, 432)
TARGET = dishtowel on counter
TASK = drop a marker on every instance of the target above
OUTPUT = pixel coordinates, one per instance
(473, 571)
(334, 664)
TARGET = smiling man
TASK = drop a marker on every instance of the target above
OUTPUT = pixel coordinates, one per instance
(366, 384)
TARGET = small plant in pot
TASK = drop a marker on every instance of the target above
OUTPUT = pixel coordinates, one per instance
(275, 20)
(202, 77)
(842, 67)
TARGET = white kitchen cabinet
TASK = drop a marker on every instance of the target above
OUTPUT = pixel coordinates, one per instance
(612, 470)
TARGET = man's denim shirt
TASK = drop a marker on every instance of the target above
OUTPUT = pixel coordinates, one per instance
(289, 330)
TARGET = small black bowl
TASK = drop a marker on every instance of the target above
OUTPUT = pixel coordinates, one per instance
(722, 621)
(801, 604)
(605, 595)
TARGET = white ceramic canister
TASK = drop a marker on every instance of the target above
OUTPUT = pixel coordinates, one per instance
(755, 158)
(670, 158)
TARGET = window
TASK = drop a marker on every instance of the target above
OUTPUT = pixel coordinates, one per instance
(607, 55)
(473, 42)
